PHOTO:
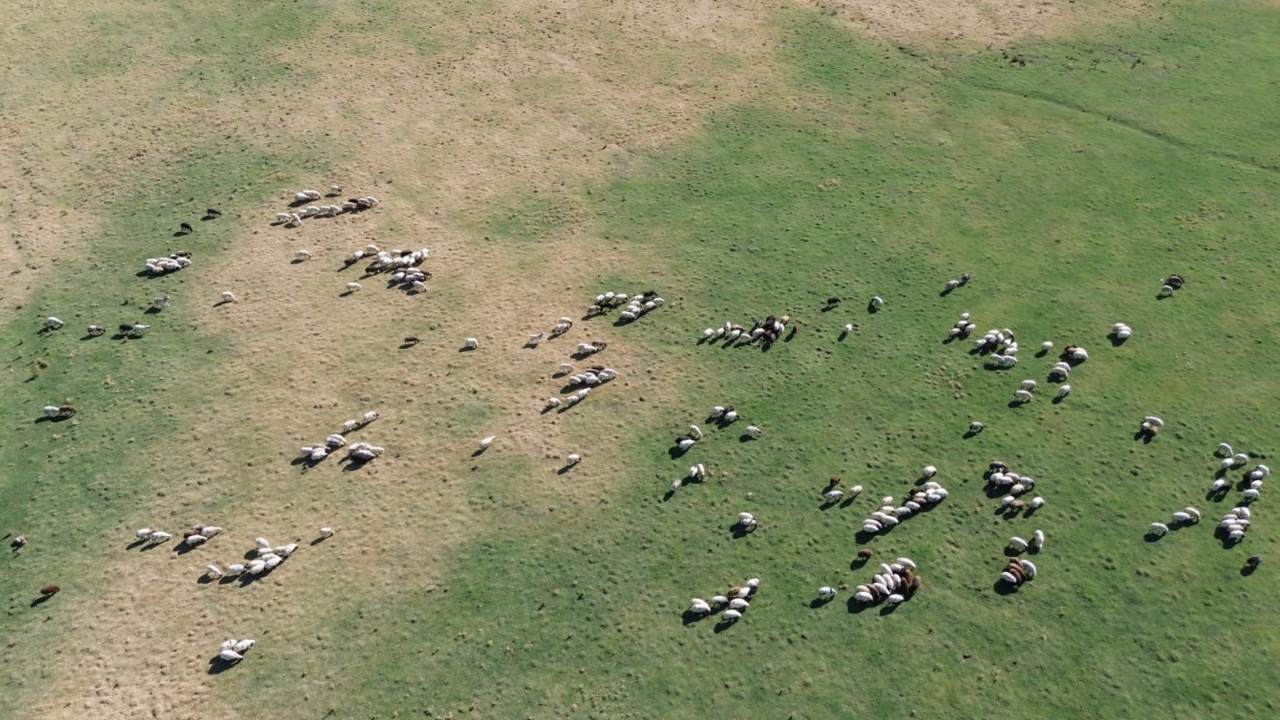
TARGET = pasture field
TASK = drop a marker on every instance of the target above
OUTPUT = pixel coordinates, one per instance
(743, 159)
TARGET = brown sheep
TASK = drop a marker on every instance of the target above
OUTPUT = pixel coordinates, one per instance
(48, 590)
(864, 554)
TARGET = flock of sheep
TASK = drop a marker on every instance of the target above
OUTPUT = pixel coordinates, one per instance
(893, 584)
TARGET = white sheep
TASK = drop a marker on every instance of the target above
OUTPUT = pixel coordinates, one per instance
(95, 331)
(699, 606)
(731, 615)
(826, 592)
(695, 432)
(143, 533)
(1046, 346)
(876, 301)
(1063, 391)
(573, 459)
(752, 432)
(685, 443)
(1037, 539)
(326, 532)
(302, 255)
(353, 287)
(227, 296)
(485, 442)
(1017, 544)
(213, 571)
(283, 217)
(738, 604)
(1036, 503)
(53, 323)
(470, 343)
(928, 472)
(1239, 459)
(159, 536)
(1022, 396)
(832, 495)
(1224, 450)
(235, 569)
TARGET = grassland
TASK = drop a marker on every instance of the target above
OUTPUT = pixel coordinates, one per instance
(1068, 186)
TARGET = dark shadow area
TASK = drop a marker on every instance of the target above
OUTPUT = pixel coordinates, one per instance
(41, 600)
(217, 665)
(1003, 588)
(816, 603)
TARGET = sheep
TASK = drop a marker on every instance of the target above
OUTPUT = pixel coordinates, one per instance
(832, 495)
(573, 459)
(695, 432)
(1157, 529)
(353, 287)
(1037, 539)
(194, 540)
(1022, 396)
(1219, 485)
(684, 444)
(213, 571)
(976, 426)
(1224, 450)
(283, 217)
(928, 472)
(485, 442)
(95, 330)
(731, 615)
(470, 343)
(316, 454)
(739, 604)
(730, 416)
(747, 521)
(1036, 503)
(826, 592)
(1239, 459)
(301, 256)
(143, 533)
(1017, 544)
(1028, 385)
(53, 323)
(286, 550)
(326, 532)
(370, 416)
(227, 296)
(876, 301)
(159, 536)
(229, 655)
(698, 606)
(752, 432)
(1251, 494)
(235, 570)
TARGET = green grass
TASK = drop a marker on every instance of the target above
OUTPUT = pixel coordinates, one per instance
(1069, 188)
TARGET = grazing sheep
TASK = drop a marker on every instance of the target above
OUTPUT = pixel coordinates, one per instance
(928, 472)
(1239, 459)
(95, 330)
(470, 343)
(1157, 529)
(684, 443)
(143, 533)
(353, 287)
(302, 255)
(1037, 539)
(573, 459)
(976, 426)
(159, 536)
(326, 532)
(731, 615)
(235, 569)
(876, 301)
(228, 296)
(53, 323)
(213, 571)
(826, 592)
(485, 442)
(1017, 544)
(1022, 396)
(698, 606)
(1224, 450)
(1063, 391)
(752, 432)
(832, 495)
(1036, 503)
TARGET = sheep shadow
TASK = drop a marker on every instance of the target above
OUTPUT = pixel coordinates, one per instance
(862, 536)
(791, 334)
(1057, 399)
(1004, 588)
(346, 293)
(858, 563)
(668, 495)
(217, 665)
(843, 334)
(745, 438)
(149, 546)
(968, 434)
(724, 625)
(565, 469)
(816, 603)
(689, 617)
(205, 579)
(465, 349)
(1010, 552)
(306, 462)
(351, 464)
(1016, 403)
(136, 544)
(478, 452)
(547, 408)
(1248, 570)
(889, 609)
(153, 310)
(828, 504)
(88, 337)
(946, 291)
(318, 540)
(737, 531)
(856, 606)
(1152, 536)
(1116, 341)
(848, 501)
(1142, 437)
(674, 451)
(1217, 495)
(406, 345)
(41, 600)
(183, 548)
(829, 307)
(872, 308)
(220, 303)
